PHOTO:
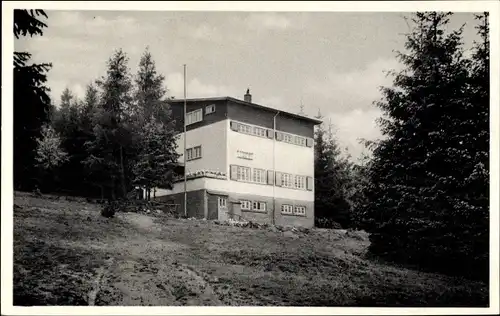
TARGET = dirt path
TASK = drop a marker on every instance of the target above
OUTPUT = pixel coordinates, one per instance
(139, 280)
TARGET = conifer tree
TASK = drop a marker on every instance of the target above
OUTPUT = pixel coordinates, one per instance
(155, 139)
(331, 173)
(419, 210)
(112, 132)
(31, 101)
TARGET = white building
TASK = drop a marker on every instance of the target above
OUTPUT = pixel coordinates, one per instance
(244, 160)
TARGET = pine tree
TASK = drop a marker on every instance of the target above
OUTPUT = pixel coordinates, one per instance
(155, 139)
(107, 150)
(416, 211)
(150, 90)
(31, 102)
(154, 167)
(331, 173)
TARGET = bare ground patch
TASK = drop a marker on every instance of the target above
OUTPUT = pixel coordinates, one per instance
(65, 253)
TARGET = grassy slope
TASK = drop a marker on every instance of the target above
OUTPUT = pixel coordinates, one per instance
(61, 248)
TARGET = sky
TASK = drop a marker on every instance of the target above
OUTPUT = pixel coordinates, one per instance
(331, 62)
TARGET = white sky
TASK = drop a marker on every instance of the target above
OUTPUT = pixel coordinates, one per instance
(331, 61)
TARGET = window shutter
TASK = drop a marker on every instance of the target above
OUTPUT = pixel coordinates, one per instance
(279, 178)
(234, 126)
(279, 136)
(309, 183)
(270, 177)
(234, 171)
(270, 133)
(309, 142)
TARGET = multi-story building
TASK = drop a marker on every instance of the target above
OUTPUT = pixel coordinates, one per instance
(244, 160)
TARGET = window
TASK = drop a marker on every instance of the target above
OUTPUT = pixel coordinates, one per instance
(246, 205)
(194, 117)
(261, 132)
(250, 130)
(245, 129)
(259, 206)
(287, 209)
(288, 138)
(300, 210)
(300, 182)
(210, 109)
(299, 140)
(222, 202)
(259, 175)
(287, 180)
(193, 153)
(243, 174)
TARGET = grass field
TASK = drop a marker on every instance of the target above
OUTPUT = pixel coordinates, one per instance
(65, 253)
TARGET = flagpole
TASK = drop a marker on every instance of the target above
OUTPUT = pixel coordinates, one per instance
(185, 158)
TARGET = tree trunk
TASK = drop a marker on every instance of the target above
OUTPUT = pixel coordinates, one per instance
(122, 174)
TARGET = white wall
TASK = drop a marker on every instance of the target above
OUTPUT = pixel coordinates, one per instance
(212, 139)
(219, 150)
(289, 158)
(258, 189)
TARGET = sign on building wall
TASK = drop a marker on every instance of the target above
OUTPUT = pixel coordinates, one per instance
(244, 155)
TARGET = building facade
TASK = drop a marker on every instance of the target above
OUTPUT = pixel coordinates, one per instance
(244, 161)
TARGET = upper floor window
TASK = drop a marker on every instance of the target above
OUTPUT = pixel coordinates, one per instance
(259, 175)
(250, 130)
(210, 109)
(194, 116)
(300, 182)
(193, 153)
(287, 180)
(241, 173)
(258, 131)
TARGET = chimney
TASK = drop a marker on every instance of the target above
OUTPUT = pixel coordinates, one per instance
(248, 96)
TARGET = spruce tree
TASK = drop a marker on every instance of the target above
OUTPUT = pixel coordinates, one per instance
(155, 137)
(108, 156)
(418, 210)
(331, 173)
(31, 101)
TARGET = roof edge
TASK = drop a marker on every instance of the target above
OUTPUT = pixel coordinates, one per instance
(227, 98)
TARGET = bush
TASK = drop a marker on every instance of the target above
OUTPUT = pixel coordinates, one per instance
(326, 223)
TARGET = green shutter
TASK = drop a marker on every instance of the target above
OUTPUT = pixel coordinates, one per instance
(278, 179)
(309, 142)
(234, 126)
(270, 177)
(309, 183)
(270, 133)
(234, 171)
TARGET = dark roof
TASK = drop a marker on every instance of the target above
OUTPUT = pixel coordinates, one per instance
(297, 116)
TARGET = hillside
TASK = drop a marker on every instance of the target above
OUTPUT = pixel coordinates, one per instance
(65, 253)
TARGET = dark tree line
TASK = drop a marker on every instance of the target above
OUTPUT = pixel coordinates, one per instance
(120, 136)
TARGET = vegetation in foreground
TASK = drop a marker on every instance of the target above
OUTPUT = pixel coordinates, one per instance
(63, 257)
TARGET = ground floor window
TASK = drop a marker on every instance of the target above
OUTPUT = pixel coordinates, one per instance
(246, 205)
(259, 206)
(300, 210)
(287, 209)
